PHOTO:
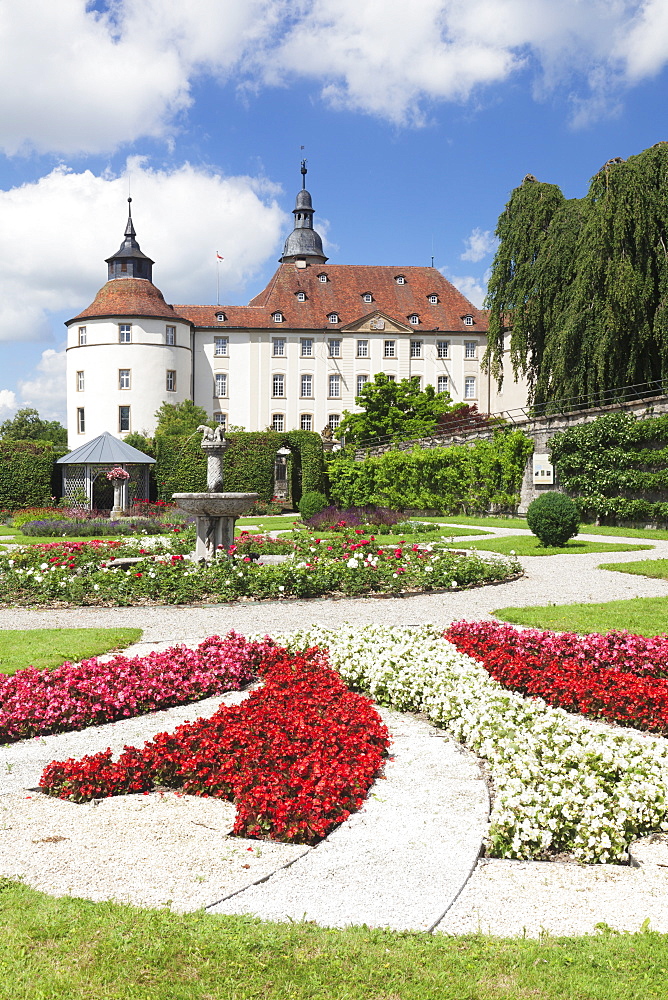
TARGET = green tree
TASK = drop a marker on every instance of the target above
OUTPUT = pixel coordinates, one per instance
(583, 284)
(27, 425)
(180, 418)
(141, 442)
(400, 410)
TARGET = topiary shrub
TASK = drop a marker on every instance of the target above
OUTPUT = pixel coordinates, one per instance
(553, 518)
(312, 502)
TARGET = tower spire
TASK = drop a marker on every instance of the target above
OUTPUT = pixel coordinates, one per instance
(303, 243)
(129, 261)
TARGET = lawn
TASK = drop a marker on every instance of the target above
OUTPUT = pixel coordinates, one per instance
(46, 648)
(528, 545)
(657, 569)
(640, 615)
(657, 534)
(69, 949)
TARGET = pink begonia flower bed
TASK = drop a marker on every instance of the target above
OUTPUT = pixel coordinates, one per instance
(36, 702)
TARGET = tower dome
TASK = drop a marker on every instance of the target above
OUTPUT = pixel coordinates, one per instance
(303, 242)
(129, 261)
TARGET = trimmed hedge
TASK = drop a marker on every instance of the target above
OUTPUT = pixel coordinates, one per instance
(28, 475)
(248, 463)
(616, 466)
(472, 478)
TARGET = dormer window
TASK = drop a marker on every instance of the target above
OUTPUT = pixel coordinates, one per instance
(433, 299)
(323, 277)
(277, 317)
(221, 317)
(468, 320)
(367, 297)
(400, 279)
(333, 317)
(301, 296)
(414, 319)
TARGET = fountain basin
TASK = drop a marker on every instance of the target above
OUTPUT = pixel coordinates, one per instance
(214, 504)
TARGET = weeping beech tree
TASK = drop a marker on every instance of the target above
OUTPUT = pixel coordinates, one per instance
(582, 284)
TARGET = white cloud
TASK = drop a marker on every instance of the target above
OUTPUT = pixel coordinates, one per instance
(8, 404)
(471, 288)
(57, 232)
(45, 391)
(479, 244)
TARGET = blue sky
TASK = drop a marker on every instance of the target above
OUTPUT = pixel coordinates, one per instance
(417, 121)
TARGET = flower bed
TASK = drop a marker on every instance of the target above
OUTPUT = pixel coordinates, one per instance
(35, 702)
(561, 784)
(619, 678)
(297, 756)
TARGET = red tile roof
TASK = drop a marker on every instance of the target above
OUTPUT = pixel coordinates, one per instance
(342, 293)
(128, 297)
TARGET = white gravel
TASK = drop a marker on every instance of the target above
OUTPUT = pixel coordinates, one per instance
(400, 862)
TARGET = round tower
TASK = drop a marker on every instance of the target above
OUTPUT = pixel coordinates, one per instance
(127, 353)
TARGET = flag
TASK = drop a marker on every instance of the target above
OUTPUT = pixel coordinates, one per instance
(218, 256)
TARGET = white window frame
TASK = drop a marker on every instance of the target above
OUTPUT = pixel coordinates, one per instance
(361, 381)
(170, 335)
(333, 317)
(306, 421)
(81, 420)
(367, 297)
(125, 333)
(306, 386)
(433, 298)
(221, 347)
(362, 348)
(124, 378)
(323, 277)
(333, 386)
(82, 336)
(124, 417)
(170, 380)
(416, 348)
(278, 347)
(400, 279)
(220, 419)
(306, 347)
(443, 348)
(278, 386)
(470, 350)
(277, 317)
(221, 317)
(414, 319)
(468, 320)
(220, 385)
(334, 348)
(389, 349)
(276, 420)
(443, 383)
(301, 296)
(80, 381)
(470, 387)
(333, 421)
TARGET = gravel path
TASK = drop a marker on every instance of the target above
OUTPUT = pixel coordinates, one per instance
(403, 861)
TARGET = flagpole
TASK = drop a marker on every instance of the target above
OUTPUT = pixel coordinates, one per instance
(217, 282)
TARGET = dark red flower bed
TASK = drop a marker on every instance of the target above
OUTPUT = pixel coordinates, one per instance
(297, 757)
(574, 672)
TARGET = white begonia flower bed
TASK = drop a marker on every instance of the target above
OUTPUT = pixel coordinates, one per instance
(562, 783)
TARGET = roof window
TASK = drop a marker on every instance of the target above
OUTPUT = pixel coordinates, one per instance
(323, 277)
(433, 298)
(277, 317)
(221, 317)
(400, 279)
(367, 297)
(414, 319)
(333, 317)
(301, 296)
(468, 320)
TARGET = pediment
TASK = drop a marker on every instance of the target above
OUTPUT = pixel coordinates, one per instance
(377, 322)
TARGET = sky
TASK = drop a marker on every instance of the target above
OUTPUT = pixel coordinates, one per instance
(417, 121)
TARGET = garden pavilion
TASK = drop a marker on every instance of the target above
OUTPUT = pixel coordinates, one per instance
(85, 468)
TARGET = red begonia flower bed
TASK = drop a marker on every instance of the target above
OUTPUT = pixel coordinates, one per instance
(617, 677)
(36, 702)
(297, 756)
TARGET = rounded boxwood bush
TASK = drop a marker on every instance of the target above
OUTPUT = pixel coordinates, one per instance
(311, 503)
(553, 518)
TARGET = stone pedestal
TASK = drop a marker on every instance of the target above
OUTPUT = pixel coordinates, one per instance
(216, 515)
(117, 509)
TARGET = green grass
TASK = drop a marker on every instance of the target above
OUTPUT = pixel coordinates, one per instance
(269, 523)
(657, 569)
(68, 949)
(528, 545)
(658, 534)
(481, 522)
(46, 648)
(640, 615)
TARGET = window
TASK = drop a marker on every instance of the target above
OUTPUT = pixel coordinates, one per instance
(123, 418)
(335, 348)
(334, 419)
(220, 419)
(306, 385)
(278, 385)
(416, 348)
(278, 422)
(221, 317)
(322, 277)
(171, 380)
(442, 383)
(333, 317)
(124, 333)
(277, 317)
(443, 348)
(433, 299)
(414, 319)
(469, 388)
(400, 280)
(278, 347)
(123, 378)
(81, 421)
(221, 384)
(390, 348)
(82, 335)
(468, 320)
(306, 422)
(391, 378)
(469, 349)
(80, 381)
(367, 297)
(301, 296)
(334, 386)
(170, 335)
(220, 346)
(361, 382)
(307, 348)
(362, 348)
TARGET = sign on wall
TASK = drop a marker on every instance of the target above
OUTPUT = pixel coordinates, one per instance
(543, 470)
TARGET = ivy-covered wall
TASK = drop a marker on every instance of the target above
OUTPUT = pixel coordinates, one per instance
(248, 464)
(616, 466)
(28, 475)
(462, 478)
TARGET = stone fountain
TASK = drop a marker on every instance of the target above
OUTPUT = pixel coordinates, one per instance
(216, 512)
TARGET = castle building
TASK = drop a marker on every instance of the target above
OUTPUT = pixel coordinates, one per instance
(294, 358)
